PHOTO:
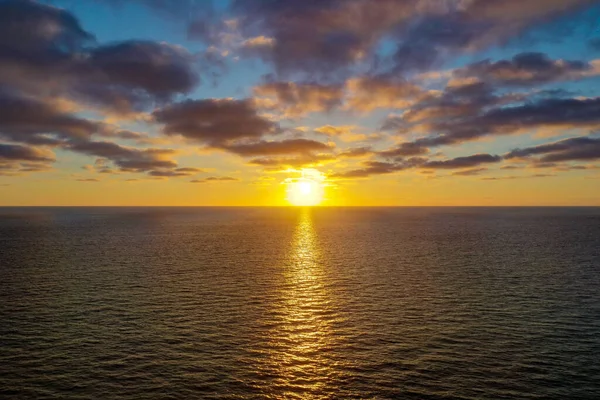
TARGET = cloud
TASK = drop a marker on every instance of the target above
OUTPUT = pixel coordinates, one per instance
(405, 149)
(401, 164)
(168, 174)
(470, 172)
(28, 120)
(347, 133)
(371, 168)
(138, 73)
(40, 29)
(190, 170)
(368, 93)
(355, 152)
(290, 146)
(259, 46)
(528, 69)
(499, 178)
(87, 180)
(574, 149)
(345, 34)
(259, 41)
(125, 134)
(463, 162)
(512, 167)
(303, 160)
(542, 114)
(128, 159)
(215, 179)
(16, 159)
(298, 99)
(48, 55)
(214, 121)
(175, 173)
(341, 32)
(330, 130)
(465, 99)
(15, 152)
(447, 29)
(512, 177)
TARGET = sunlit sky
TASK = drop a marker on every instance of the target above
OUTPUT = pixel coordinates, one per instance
(388, 102)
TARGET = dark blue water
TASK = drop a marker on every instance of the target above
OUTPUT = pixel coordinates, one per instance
(218, 303)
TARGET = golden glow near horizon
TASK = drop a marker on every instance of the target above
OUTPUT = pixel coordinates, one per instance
(306, 190)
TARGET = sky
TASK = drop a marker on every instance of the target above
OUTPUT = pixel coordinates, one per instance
(223, 103)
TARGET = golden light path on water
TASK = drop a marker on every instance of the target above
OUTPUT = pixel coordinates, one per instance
(301, 345)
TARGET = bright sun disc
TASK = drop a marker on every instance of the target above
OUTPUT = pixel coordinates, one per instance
(305, 191)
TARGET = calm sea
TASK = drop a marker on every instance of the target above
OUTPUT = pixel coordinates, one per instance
(244, 303)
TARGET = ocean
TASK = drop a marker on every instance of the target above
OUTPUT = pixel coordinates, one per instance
(315, 303)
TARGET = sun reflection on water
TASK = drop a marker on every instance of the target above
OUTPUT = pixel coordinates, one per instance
(302, 343)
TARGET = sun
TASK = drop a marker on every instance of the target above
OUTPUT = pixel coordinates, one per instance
(307, 190)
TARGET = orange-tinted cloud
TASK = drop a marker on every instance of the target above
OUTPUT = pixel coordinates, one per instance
(297, 99)
(367, 93)
(290, 146)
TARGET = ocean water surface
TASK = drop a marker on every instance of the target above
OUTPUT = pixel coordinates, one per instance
(253, 303)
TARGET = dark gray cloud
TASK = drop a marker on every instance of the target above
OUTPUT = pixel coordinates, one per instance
(404, 150)
(44, 52)
(329, 37)
(525, 69)
(463, 162)
(135, 74)
(126, 158)
(471, 164)
(433, 36)
(542, 114)
(447, 29)
(28, 28)
(455, 101)
(16, 152)
(372, 167)
(168, 173)
(27, 120)
(323, 36)
(175, 173)
(575, 149)
(214, 121)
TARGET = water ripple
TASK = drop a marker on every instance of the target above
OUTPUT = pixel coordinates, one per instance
(300, 303)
